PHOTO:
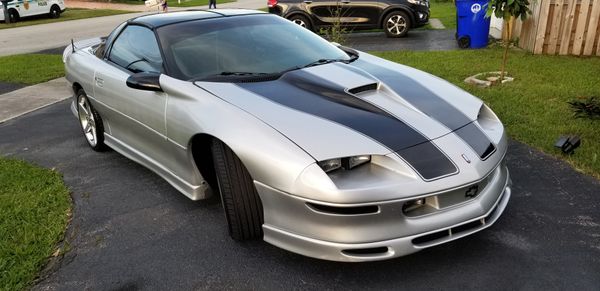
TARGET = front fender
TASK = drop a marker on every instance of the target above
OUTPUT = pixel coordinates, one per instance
(269, 156)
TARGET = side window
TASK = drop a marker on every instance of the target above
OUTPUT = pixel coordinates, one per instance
(136, 50)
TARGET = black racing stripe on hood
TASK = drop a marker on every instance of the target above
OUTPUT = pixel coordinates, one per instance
(313, 95)
(418, 95)
(477, 140)
(432, 105)
(426, 159)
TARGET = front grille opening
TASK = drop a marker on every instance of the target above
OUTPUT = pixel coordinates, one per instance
(366, 252)
(430, 237)
(364, 88)
(356, 210)
(467, 226)
(447, 233)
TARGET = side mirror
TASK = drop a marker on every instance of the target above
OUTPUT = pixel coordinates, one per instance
(148, 81)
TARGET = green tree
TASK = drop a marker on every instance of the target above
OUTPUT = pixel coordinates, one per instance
(508, 10)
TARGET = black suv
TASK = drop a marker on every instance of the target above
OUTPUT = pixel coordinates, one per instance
(395, 17)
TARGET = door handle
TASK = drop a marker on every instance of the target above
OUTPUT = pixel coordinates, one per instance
(307, 1)
(346, 2)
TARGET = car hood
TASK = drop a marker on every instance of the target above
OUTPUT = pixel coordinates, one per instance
(370, 106)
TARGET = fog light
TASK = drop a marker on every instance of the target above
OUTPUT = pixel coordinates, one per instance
(413, 204)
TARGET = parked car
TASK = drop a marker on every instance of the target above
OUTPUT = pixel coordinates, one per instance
(24, 8)
(316, 148)
(395, 17)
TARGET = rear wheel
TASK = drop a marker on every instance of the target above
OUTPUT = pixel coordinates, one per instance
(301, 20)
(91, 123)
(54, 11)
(241, 202)
(396, 24)
(13, 15)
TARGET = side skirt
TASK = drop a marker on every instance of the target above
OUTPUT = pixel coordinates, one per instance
(194, 192)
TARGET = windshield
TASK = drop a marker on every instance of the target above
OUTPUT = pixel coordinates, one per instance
(241, 45)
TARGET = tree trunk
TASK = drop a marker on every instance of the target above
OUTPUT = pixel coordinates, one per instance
(508, 29)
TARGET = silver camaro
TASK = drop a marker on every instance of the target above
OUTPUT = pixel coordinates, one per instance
(314, 147)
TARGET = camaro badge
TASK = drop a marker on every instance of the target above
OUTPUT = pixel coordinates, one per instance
(472, 191)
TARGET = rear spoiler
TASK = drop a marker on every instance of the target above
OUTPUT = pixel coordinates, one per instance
(79, 45)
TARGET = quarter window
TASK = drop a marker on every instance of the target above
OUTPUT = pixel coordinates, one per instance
(136, 50)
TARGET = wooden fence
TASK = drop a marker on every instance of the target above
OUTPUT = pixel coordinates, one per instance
(561, 27)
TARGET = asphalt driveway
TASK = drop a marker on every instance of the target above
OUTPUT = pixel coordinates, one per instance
(131, 230)
(417, 40)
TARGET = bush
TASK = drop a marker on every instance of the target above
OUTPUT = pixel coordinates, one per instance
(586, 107)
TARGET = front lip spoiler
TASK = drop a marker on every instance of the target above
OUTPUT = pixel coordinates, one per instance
(333, 251)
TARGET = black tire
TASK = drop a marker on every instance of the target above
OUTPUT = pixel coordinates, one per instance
(13, 15)
(91, 116)
(241, 202)
(396, 24)
(301, 20)
(54, 12)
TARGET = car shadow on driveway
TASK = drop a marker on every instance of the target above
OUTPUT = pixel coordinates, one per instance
(131, 230)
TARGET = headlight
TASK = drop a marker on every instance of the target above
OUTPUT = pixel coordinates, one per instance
(346, 163)
(418, 2)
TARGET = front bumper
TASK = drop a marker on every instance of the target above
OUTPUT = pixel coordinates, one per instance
(421, 15)
(292, 225)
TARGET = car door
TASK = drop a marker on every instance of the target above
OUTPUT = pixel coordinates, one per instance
(322, 11)
(29, 8)
(40, 6)
(135, 118)
(360, 13)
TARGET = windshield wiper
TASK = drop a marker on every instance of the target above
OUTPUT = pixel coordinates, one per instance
(239, 74)
(228, 75)
(323, 62)
(315, 63)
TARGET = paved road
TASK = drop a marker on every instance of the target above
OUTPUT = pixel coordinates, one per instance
(131, 230)
(28, 39)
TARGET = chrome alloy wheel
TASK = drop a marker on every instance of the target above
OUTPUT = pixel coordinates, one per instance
(396, 24)
(86, 118)
(299, 22)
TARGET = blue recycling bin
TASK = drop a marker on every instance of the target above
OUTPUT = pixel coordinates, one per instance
(472, 27)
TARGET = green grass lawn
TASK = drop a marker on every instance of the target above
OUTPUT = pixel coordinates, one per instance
(69, 14)
(30, 69)
(34, 211)
(445, 12)
(534, 107)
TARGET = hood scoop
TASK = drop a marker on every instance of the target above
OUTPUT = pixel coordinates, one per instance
(363, 88)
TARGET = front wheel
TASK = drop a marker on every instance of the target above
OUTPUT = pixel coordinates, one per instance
(54, 12)
(242, 205)
(90, 121)
(396, 24)
(301, 20)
